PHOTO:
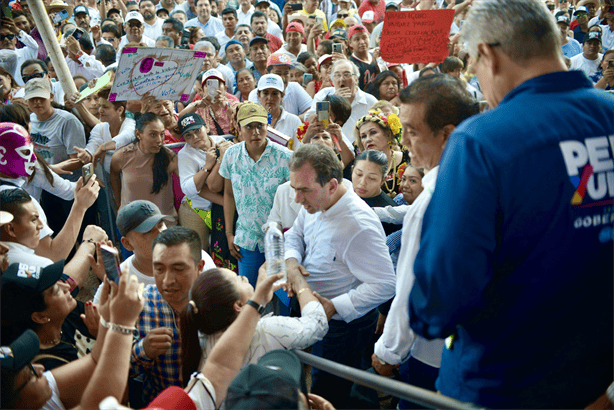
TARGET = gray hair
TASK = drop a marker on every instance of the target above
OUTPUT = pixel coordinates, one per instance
(523, 29)
(170, 43)
(352, 65)
(204, 46)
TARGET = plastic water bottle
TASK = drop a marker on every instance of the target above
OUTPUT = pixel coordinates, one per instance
(274, 252)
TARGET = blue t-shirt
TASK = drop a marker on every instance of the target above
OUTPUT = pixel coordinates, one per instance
(572, 48)
(516, 251)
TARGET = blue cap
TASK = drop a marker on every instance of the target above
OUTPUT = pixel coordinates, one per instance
(231, 42)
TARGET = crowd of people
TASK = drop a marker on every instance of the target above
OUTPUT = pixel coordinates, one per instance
(448, 224)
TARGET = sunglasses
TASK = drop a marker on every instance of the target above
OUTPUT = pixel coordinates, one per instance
(27, 78)
(10, 37)
(343, 16)
(134, 24)
(581, 14)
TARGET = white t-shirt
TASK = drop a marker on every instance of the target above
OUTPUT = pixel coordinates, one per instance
(588, 67)
(155, 30)
(46, 230)
(54, 403)
(19, 253)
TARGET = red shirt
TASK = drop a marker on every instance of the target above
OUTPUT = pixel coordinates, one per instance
(274, 42)
(378, 10)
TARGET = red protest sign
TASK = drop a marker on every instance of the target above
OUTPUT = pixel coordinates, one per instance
(416, 36)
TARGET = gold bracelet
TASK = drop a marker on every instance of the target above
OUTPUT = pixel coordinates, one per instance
(300, 291)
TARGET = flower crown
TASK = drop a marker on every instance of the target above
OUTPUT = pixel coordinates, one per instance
(301, 130)
(392, 121)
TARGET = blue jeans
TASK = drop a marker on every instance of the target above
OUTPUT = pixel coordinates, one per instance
(249, 264)
(350, 344)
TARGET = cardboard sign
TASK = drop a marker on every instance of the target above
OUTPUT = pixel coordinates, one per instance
(416, 36)
(166, 73)
(100, 84)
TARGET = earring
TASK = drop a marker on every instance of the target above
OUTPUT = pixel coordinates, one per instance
(48, 319)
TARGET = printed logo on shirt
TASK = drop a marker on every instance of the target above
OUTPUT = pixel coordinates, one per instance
(590, 166)
(40, 145)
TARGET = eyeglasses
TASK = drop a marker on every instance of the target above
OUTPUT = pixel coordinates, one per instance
(27, 78)
(33, 377)
(344, 75)
(136, 24)
(342, 16)
(10, 37)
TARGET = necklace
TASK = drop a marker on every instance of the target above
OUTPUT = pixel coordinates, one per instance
(54, 342)
(390, 190)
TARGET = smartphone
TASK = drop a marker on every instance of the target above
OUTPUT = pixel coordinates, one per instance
(60, 16)
(77, 33)
(212, 87)
(88, 170)
(110, 259)
(296, 6)
(319, 21)
(322, 108)
(337, 48)
(307, 78)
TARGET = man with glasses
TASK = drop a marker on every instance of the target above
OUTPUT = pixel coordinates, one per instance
(134, 28)
(345, 81)
(581, 15)
(35, 68)
(9, 34)
(516, 243)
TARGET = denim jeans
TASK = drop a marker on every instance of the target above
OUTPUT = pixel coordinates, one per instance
(350, 344)
(418, 374)
(249, 264)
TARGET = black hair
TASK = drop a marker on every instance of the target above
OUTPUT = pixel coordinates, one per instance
(214, 296)
(17, 306)
(177, 25)
(214, 41)
(151, 1)
(9, 377)
(178, 235)
(162, 159)
(426, 70)
(33, 61)
(373, 87)
(340, 107)
(258, 14)
(304, 56)
(328, 46)
(112, 29)
(377, 157)
(12, 201)
(446, 100)
(229, 10)
(450, 64)
(106, 54)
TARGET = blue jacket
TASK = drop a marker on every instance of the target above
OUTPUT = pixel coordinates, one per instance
(516, 251)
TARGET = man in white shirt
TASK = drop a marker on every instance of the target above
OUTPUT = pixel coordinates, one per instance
(153, 24)
(9, 34)
(296, 100)
(210, 25)
(588, 61)
(419, 358)
(134, 28)
(345, 81)
(79, 60)
(340, 242)
(211, 61)
(244, 13)
(295, 34)
(229, 20)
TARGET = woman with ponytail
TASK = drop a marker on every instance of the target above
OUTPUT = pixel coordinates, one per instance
(216, 298)
(145, 167)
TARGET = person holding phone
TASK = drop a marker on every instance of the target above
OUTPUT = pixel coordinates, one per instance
(9, 34)
(216, 104)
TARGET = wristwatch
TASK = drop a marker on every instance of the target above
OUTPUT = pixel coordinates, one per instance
(205, 169)
(256, 306)
(383, 363)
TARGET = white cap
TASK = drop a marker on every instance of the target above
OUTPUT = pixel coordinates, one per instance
(134, 15)
(213, 73)
(368, 16)
(271, 81)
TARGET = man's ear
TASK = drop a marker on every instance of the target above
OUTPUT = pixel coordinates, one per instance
(237, 307)
(200, 265)
(334, 184)
(447, 131)
(490, 56)
(127, 244)
(7, 232)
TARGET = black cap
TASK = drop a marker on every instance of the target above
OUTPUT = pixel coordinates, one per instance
(111, 11)
(190, 122)
(258, 40)
(273, 383)
(21, 352)
(592, 35)
(33, 278)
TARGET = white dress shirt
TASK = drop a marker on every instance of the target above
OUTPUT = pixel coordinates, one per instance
(360, 106)
(285, 208)
(30, 51)
(398, 339)
(87, 66)
(287, 125)
(155, 30)
(245, 18)
(344, 250)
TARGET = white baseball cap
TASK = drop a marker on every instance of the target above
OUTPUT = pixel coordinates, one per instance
(134, 15)
(271, 81)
